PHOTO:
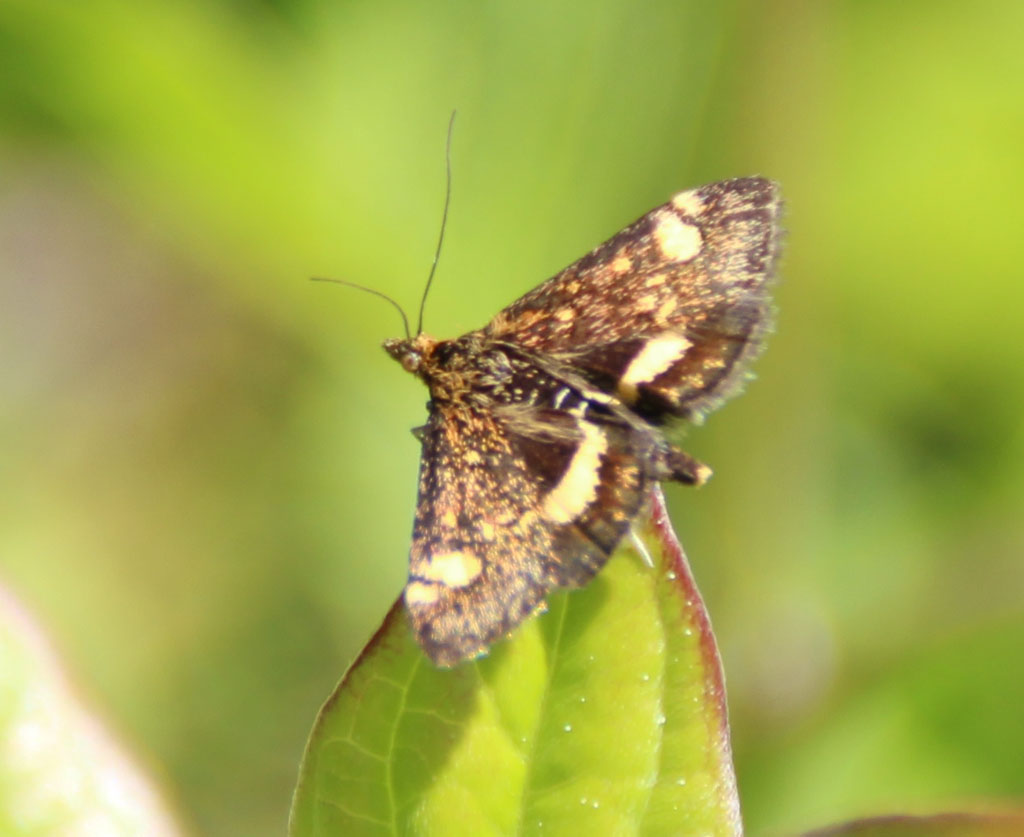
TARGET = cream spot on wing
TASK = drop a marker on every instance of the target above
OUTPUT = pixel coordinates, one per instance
(449, 519)
(666, 310)
(418, 593)
(452, 569)
(657, 355)
(622, 264)
(573, 287)
(486, 531)
(654, 280)
(564, 314)
(472, 457)
(577, 488)
(677, 240)
(647, 303)
(689, 203)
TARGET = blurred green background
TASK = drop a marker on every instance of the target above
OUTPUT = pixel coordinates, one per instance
(207, 472)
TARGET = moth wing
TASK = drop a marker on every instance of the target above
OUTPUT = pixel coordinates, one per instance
(510, 506)
(683, 371)
(678, 260)
(696, 269)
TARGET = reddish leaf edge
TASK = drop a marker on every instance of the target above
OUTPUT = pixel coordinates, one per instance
(996, 823)
(714, 679)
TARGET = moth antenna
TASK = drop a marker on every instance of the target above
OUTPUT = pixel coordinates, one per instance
(444, 219)
(405, 320)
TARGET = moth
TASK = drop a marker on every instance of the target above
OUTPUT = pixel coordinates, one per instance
(547, 427)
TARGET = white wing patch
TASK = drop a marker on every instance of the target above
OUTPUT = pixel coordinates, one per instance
(657, 355)
(577, 488)
(689, 203)
(677, 240)
(452, 569)
(418, 593)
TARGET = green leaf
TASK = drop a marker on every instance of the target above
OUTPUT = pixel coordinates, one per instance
(605, 715)
(60, 772)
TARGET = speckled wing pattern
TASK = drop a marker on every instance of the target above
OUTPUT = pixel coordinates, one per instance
(697, 269)
(545, 428)
(486, 547)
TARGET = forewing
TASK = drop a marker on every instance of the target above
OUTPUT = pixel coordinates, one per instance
(667, 313)
(512, 504)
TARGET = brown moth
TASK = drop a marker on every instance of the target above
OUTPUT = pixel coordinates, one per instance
(546, 427)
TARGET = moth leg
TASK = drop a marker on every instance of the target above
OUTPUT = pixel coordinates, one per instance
(679, 466)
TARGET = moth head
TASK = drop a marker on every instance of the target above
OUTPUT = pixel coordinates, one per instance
(410, 353)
